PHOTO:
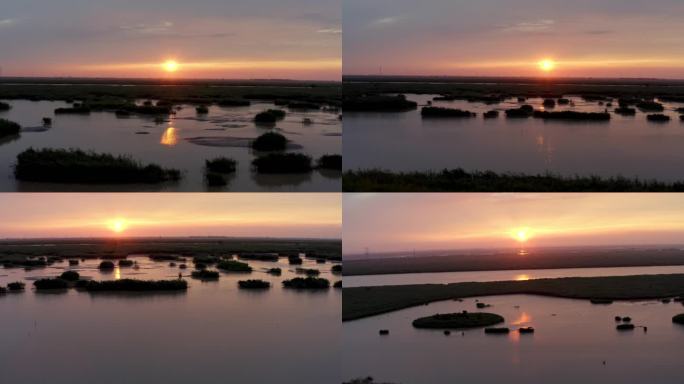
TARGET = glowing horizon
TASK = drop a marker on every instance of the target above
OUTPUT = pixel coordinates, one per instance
(267, 39)
(607, 39)
(300, 215)
(400, 222)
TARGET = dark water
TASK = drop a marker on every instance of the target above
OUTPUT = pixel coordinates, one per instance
(213, 333)
(572, 340)
(628, 146)
(166, 144)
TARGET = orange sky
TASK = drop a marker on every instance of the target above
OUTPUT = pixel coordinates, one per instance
(587, 38)
(284, 39)
(306, 215)
(400, 222)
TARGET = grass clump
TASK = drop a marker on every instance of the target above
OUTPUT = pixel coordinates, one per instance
(572, 115)
(338, 284)
(4, 106)
(16, 286)
(379, 103)
(459, 180)
(438, 112)
(106, 266)
(254, 284)
(270, 141)
(202, 109)
(650, 106)
(233, 103)
(259, 256)
(77, 110)
(336, 269)
(221, 165)
(205, 274)
(458, 320)
(491, 114)
(332, 162)
(678, 319)
(215, 179)
(283, 163)
(133, 285)
(77, 166)
(126, 263)
(233, 266)
(9, 128)
(70, 276)
(307, 283)
(625, 111)
(48, 284)
(275, 271)
(269, 116)
(308, 271)
(295, 260)
(658, 118)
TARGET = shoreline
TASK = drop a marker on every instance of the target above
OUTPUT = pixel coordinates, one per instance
(362, 302)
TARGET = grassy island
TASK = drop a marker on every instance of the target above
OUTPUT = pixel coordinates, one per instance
(276, 163)
(270, 141)
(572, 115)
(77, 166)
(332, 162)
(307, 283)
(50, 284)
(9, 128)
(233, 266)
(254, 284)
(458, 320)
(379, 103)
(459, 180)
(679, 319)
(205, 274)
(438, 112)
(135, 285)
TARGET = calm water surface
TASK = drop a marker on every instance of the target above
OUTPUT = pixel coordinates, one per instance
(525, 274)
(166, 145)
(572, 340)
(628, 146)
(213, 333)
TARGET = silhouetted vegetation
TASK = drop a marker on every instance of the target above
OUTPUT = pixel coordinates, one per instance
(70, 276)
(384, 332)
(234, 103)
(269, 117)
(221, 165)
(76, 166)
(303, 105)
(626, 111)
(524, 111)
(488, 181)
(283, 163)
(259, 256)
(526, 330)
(80, 110)
(270, 141)
(202, 109)
(215, 179)
(50, 284)
(338, 284)
(275, 271)
(254, 284)
(572, 115)
(106, 266)
(658, 118)
(307, 283)
(439, 112)
(379, 103)
(601, 301)
(679, 319)
(336, 269)
(491, 114)
(5, 106)
(624, 327)
(136, 285)
(650, 106)
(9, 128)
(497, 330)
(563, 101)
(233, 266)
(549, 103)
(16, 286)
(3, 290)
(126, 263)
(308, 271)
(458, 320)
(332, 162)
(295, 260)
(205, 274)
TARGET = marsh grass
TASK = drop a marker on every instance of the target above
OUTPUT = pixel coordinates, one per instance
(9, 128)
(283, 163)
(77, 166)
(307, 283)
(233, 266)
(270, 141)
(133, 285)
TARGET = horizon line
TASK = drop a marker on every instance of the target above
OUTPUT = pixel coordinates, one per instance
(547, 78)
(5, 239)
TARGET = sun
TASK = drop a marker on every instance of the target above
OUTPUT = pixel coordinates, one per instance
(170, 66)
(522, 235)
(547, 65)
(118, 225)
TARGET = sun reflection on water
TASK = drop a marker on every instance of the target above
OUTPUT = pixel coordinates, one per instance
(117, 273)
(522, 277)
(169, 137)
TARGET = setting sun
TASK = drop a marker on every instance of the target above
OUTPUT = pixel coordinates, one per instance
(547, 65)
(170, 66)
(522, 234)
(118, 225)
